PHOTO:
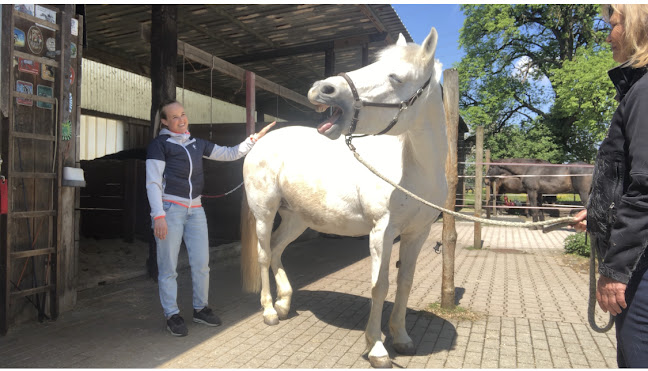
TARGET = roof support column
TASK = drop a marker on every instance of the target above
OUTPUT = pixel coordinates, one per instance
(250, 103)
(365, 54)
(329, 62)
(164, 54)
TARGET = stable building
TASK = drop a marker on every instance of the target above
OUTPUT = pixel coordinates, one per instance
(82, 82)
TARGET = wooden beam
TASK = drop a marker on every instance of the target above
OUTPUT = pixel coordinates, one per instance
(376, 21)
(200, 56)
(319, 47)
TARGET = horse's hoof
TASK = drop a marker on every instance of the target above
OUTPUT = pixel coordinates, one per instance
(283, 315)
(282, 310)
(380, 362)
(271, 320)
(405, 348)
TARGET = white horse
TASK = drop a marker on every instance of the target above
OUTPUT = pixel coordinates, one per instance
(316, 182)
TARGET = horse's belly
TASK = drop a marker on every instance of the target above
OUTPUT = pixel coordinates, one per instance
(325, 210)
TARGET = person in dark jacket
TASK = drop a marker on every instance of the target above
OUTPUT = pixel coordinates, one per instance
(617, 211)
(174, 183)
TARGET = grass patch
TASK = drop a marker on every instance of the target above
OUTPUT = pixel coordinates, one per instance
(458, 313)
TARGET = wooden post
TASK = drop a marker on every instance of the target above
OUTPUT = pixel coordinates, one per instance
(129, 187)
(250, 103)
(449, 234)
(488, 189)
(365, 55)
(329, 62)
(164, 53)
(479, 160)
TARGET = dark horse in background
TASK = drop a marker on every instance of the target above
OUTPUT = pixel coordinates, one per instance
(501, 186)
(574, 179)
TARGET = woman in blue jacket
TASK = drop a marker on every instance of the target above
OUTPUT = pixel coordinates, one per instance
(174, 183)
(617, 211)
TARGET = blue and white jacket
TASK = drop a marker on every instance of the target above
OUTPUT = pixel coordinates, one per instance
(174, 168)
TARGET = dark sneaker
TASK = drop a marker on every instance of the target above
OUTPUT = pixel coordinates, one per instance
(176, 326)
(207, 317)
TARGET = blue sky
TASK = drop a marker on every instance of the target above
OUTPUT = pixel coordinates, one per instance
(447, 19)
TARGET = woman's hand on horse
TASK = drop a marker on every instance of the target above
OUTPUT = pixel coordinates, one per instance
(263, 131)
(580, 222)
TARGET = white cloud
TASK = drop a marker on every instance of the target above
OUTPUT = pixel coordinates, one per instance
(524, 69)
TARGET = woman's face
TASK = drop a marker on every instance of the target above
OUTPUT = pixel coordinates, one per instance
(176, 119)
(616, 39)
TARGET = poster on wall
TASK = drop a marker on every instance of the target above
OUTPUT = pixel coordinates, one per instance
(25, 88)
(35, 40)
(47, 72)
(25, 8)
(44, 91)
(28, 66)
(75, 27)
(19, 38)
(45, 14)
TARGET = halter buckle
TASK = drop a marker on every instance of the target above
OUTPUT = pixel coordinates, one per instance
(357, 105)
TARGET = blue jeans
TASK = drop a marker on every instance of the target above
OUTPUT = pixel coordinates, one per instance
(190, 224)
(632, 324)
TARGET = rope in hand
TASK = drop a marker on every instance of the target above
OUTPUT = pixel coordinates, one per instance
(591, 304)
(224, 194)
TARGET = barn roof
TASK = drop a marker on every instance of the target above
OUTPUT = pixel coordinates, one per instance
(284, 43)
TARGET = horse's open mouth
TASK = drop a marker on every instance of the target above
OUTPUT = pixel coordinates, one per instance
(330, 121)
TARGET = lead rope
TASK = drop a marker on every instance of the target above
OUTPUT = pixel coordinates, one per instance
(554, 223)
(591, 304)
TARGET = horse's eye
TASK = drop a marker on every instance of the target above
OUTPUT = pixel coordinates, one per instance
(395, 78)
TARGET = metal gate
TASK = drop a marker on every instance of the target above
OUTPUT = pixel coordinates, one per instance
(40, 86)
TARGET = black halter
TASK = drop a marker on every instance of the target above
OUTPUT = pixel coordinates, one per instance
(359, 103)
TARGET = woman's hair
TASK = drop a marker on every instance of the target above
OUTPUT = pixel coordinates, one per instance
(634, 18)
(160, 114)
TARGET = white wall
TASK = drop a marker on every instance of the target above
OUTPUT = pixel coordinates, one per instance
(117, 92)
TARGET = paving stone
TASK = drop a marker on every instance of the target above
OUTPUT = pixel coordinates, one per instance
(524, 326)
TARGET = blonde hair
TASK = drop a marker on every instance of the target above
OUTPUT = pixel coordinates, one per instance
(634, 18)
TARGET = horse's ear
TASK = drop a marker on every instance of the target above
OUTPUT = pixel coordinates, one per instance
(401, 40)
(430, 43)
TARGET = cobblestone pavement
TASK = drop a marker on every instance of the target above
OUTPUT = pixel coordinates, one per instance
(533, 306)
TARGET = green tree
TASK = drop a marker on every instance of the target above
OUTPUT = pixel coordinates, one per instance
(535, 76)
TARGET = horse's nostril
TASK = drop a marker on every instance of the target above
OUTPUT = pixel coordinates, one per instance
(328, 89)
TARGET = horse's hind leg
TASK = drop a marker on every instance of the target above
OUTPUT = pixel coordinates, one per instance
(264, 230)
(410, 247)
(290, 228)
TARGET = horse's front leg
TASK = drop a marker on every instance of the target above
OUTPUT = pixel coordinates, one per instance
(380, 245)
(410, 247)
(533, 202)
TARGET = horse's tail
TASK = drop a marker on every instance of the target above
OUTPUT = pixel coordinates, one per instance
(250, 270)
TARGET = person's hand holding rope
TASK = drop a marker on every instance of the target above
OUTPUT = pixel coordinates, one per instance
(580, 221)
